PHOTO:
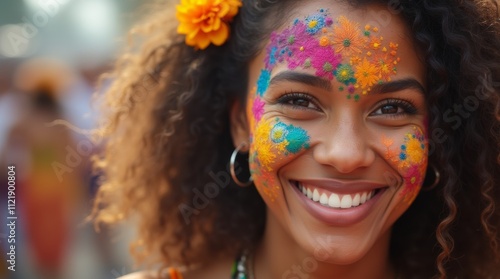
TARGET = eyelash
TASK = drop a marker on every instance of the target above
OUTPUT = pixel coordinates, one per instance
(287, 97)
(408, 106)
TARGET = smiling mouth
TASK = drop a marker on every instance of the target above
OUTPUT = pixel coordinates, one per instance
(336, 200)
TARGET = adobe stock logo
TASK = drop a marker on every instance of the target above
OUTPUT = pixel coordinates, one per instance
(325, 247)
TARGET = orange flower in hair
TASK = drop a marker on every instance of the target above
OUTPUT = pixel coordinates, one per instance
(206, 21)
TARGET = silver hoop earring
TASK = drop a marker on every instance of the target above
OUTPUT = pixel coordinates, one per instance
(232, 161)
(437, 178)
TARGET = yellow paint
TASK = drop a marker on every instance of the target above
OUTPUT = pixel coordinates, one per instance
(263, 144)
(414, 150)
(313, 23)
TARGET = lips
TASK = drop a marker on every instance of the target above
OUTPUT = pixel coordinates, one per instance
(338, 203)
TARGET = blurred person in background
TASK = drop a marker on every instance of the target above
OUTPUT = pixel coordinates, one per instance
(49, 168)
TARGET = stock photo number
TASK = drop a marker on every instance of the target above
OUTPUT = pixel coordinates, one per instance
(11, 217)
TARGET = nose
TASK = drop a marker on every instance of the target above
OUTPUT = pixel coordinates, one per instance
(345, 145)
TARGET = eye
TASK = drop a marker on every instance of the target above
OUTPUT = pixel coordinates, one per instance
(395, 107)
(298, 101)
(390, 109)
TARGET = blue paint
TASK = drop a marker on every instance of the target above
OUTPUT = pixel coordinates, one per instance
(263, 82)
(402, 156)
(320, 23)
(272, 56)
(297, 138)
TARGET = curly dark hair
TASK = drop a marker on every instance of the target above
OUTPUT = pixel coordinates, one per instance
(167, 139)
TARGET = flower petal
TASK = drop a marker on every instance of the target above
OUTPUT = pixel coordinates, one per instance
(218, 37)
(193, 33)
(217, 23)
(225, 8)
(201, 40)
(186, 28)
(206, 27)
(234, 4)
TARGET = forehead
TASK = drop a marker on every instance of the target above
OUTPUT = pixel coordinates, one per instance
(377, 15)
(349, 30)
(322, 37)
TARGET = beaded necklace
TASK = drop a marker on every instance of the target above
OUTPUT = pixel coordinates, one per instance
(240, 267)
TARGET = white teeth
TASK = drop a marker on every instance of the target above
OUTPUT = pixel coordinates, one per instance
(346, 201)
(356, 200)
(315, 195)
(363, 198)
(334, 200)
(324, 199)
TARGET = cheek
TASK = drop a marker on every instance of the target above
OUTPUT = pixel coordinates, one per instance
(274, 144)
(408, 155)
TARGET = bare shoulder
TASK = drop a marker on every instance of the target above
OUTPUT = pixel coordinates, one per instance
(143, 275)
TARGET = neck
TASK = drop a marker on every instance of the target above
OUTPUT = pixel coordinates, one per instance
(279, 256)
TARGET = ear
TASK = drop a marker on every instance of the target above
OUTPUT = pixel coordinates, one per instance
(240, 130)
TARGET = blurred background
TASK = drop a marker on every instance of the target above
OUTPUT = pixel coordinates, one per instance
(51, 55)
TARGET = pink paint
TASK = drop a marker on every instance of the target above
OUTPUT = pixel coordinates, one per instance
(258, 108)
(298, 48)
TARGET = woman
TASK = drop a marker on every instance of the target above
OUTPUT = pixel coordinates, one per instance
(48, 187)
(361, 138)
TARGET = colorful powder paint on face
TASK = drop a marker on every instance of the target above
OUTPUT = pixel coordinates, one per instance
(410, 159)
(298, 46)
(265, 181)
(251, 111)
(347, 37)
(258, 108)
(273, 142)
(274, 138)
(340, 49)
(263, 82)
(294, 139)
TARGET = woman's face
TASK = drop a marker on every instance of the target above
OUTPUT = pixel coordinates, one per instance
(337, 126)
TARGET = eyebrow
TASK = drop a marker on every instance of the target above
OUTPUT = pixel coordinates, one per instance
(398, 85)
(302, 78)
(312, 80)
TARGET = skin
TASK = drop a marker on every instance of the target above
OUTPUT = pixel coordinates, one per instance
(346, 140)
